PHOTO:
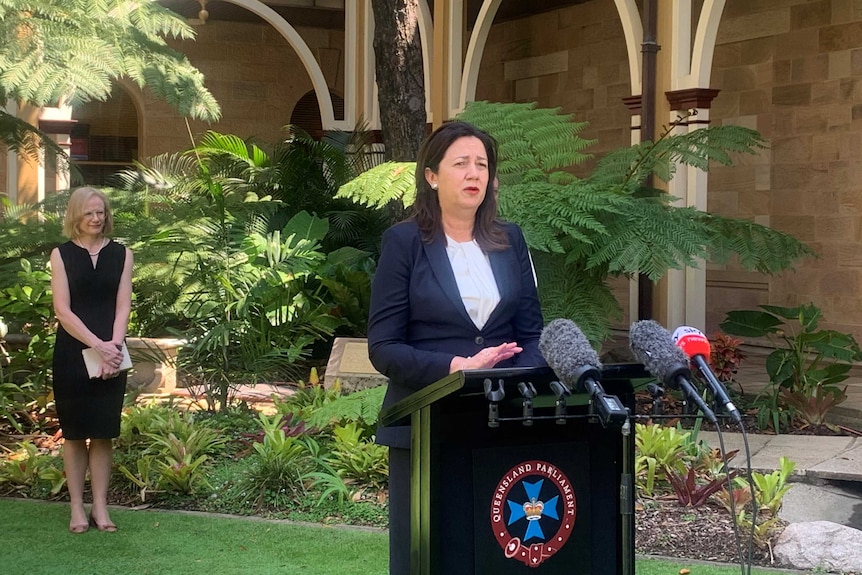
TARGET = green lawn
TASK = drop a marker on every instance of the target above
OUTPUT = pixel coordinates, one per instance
(35, 541)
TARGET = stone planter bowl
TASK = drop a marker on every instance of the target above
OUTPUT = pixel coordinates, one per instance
(154, 363)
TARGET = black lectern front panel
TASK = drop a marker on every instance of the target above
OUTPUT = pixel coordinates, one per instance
(526, 499)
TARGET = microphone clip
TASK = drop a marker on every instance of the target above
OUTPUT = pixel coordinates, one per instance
(562, 391)
(657, 394)
(494, 393)
(528, 392)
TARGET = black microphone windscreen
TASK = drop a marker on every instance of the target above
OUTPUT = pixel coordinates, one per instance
(567, 350)
(653, 346)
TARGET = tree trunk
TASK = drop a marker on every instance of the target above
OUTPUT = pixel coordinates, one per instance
(400, 82)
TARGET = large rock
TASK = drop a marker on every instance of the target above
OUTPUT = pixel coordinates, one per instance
(820, 545)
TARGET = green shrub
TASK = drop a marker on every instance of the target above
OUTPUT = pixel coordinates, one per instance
(658, 448)
(805, 367)
(361, 463)
(29, 472)
(279, 465)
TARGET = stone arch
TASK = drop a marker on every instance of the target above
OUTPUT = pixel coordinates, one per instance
(289, 33)
(633, 29)
(426, 37)
(137, 97)
(704, 41)
(475, 49)
(106, 136)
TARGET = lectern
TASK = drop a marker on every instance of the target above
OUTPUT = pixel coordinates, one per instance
(511, 474)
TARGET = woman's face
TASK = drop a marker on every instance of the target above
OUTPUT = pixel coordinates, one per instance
(93, 218)
(462, 177)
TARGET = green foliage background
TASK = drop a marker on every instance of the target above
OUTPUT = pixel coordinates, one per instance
(585, 231)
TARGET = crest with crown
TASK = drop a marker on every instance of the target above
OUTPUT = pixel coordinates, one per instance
(533, 509)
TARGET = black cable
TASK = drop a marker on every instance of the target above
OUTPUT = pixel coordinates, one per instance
(754, 505)
(733, 521)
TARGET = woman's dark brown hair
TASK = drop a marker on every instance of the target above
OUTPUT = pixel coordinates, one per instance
(487, 230)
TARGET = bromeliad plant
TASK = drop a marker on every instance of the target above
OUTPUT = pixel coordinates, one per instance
(28, 471)
(769, 490)
(658, 449)
(705, 475)
(806, 365)
(280, 465)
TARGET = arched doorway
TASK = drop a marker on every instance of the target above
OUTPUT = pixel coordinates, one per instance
(306, 113)
(104, 139)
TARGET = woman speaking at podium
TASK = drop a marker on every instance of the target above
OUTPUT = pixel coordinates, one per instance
(454, 289)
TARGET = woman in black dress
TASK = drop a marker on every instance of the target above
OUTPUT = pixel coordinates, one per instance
(91, 280)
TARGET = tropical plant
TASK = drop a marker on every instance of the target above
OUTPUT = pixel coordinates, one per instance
(807, 363)
(705, 472)
(309, 397)
(139, 421)
(771, 411)
(280, 465)
(725, 356)
(179, 469)
(166, 449)
(29, 308)
(249, 280)
(769, 490)
(584, 231)
(658, 449)
(143, 477)
(285, 423)
(190, 440)
(66, 52)
(359, 461)
(692, 490)
(22, 407)
(29, 469)
(360, 407)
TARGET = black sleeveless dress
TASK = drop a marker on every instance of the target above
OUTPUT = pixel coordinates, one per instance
(89, 408)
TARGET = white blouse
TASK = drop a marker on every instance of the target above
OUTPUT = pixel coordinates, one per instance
(475, 279)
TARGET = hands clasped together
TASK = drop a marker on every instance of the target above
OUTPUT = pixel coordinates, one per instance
(485, 359)
(112, 357)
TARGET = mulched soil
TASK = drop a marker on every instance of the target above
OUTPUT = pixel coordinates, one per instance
(705, 533)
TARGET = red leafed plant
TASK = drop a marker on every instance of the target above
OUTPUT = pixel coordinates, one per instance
(693, 493)
(725, 356)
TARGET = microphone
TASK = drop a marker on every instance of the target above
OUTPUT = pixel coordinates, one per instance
(653, 346)
(695, 345)
(576, 363)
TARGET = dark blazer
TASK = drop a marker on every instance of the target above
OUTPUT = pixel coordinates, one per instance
(418, 323)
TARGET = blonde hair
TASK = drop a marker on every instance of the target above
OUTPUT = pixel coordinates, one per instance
(75, 212)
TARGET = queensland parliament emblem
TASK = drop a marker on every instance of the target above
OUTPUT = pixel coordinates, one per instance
(533, 511)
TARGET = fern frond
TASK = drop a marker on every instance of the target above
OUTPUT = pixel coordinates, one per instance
(72, 51)
(758, 248)
(529, 137)
(382, 184)
(362, 406)
(568, 290)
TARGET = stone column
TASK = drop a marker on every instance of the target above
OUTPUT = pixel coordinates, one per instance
(446, 60)
(58, 123)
